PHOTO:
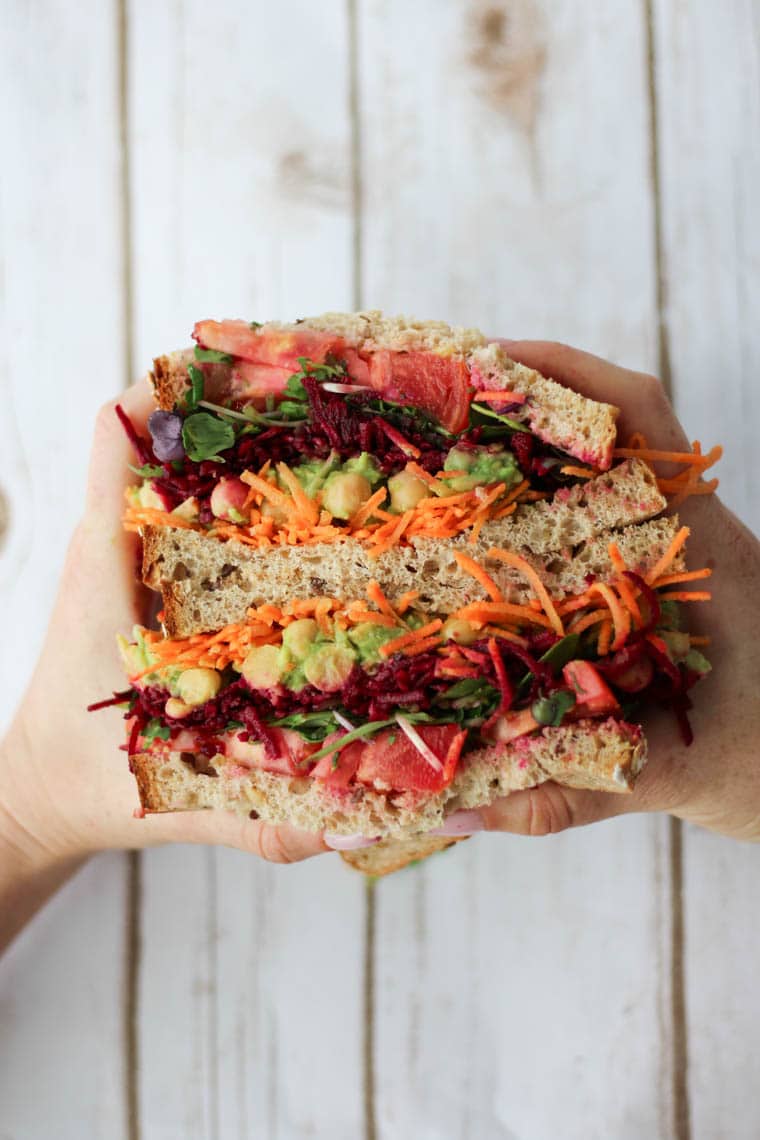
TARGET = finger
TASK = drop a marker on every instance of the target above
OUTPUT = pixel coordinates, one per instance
(112, 452)
(275, 843)
(545, 810)
(641, 398)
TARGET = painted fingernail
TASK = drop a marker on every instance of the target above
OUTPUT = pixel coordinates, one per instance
(461, 823)
(349, 842)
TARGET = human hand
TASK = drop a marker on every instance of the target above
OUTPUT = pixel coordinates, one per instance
(714, 782)
(65, 788)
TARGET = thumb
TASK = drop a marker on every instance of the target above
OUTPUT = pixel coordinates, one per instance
(544, 810)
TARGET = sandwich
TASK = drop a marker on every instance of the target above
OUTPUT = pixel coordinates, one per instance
(400, 575)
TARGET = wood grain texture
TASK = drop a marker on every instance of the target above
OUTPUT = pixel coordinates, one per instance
(708, 86)
(251, 983)
(61, 1012)
(500, 189)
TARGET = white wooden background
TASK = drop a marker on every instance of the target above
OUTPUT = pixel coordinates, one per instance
(555, 168)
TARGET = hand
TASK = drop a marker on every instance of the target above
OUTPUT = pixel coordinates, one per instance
(714, 782)
(65, 788)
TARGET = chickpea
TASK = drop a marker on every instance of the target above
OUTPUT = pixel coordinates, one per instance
(176, 708)
(460, 631)
(299, 636)
(344, 493)
(406, 491)
(261, 667)
(196, 686)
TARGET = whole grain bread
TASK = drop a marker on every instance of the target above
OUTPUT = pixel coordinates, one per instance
(599, 755)
(394, 854)
(207, 584)
(584, 428)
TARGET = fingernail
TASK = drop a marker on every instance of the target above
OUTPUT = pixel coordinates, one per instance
(349, 842)
(461, 823)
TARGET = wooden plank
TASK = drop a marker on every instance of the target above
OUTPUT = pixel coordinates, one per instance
(250, 994)
(708, 84)
(60, 312)
(506, 184)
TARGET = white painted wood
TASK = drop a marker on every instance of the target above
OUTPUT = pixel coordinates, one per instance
(251, 988)
(523, 987)
(61, 1056)
(709, 98)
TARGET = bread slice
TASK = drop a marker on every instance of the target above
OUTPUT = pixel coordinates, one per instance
(206, 585)
(394, 854)
(584, 428)
(599, 755)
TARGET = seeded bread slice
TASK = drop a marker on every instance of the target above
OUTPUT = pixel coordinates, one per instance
(394, 854)
(599, 755)
(206, 584)
(584, 428)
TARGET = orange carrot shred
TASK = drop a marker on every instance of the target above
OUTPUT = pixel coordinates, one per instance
(525, 568)
(620, 617)
(470, 566)
(410, 637)
(662, 564)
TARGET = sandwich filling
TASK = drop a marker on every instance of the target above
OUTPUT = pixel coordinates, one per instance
(377, 694)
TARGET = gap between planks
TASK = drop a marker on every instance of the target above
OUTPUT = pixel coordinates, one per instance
(357, 273)
(681, 1112)
(133, 930)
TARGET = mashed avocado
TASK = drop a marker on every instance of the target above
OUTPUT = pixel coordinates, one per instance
(481, 465)
(367, 639)
(312, 473)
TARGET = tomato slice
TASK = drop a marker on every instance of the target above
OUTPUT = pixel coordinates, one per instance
(291, 749)
(593, 694)
(279, 349)
(390, 760)
(440, 385)
(341, 773)
(251, 380)
(511, 725)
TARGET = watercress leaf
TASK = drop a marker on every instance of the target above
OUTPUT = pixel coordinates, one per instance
(254, 324)
(212, 355)
(196, 387)
(512, 424)
(204, 436)
(561, 652)
(147, 471)
(551, 710)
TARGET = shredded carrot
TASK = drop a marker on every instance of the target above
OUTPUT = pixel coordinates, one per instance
(266, 489)
(376, 595)
(306, 507)
(367, 508)
(700, 640)
(435, 484)
(321, 616)
(470, 566)
(580, 472)
(539, 588)
(669, 456)
(686, 596)
(628, 598)
(371, 617)
(135, 517)
(420, 646)
(685, 576)
(605, 636)
(662, 564)
(510, 510)
(410, 637)
(578, 625)
(620, 617)
(507, 634)
(616, 558)
(495, 611)
(404, 602)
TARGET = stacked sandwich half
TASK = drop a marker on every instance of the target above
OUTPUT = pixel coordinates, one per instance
(400, 575)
